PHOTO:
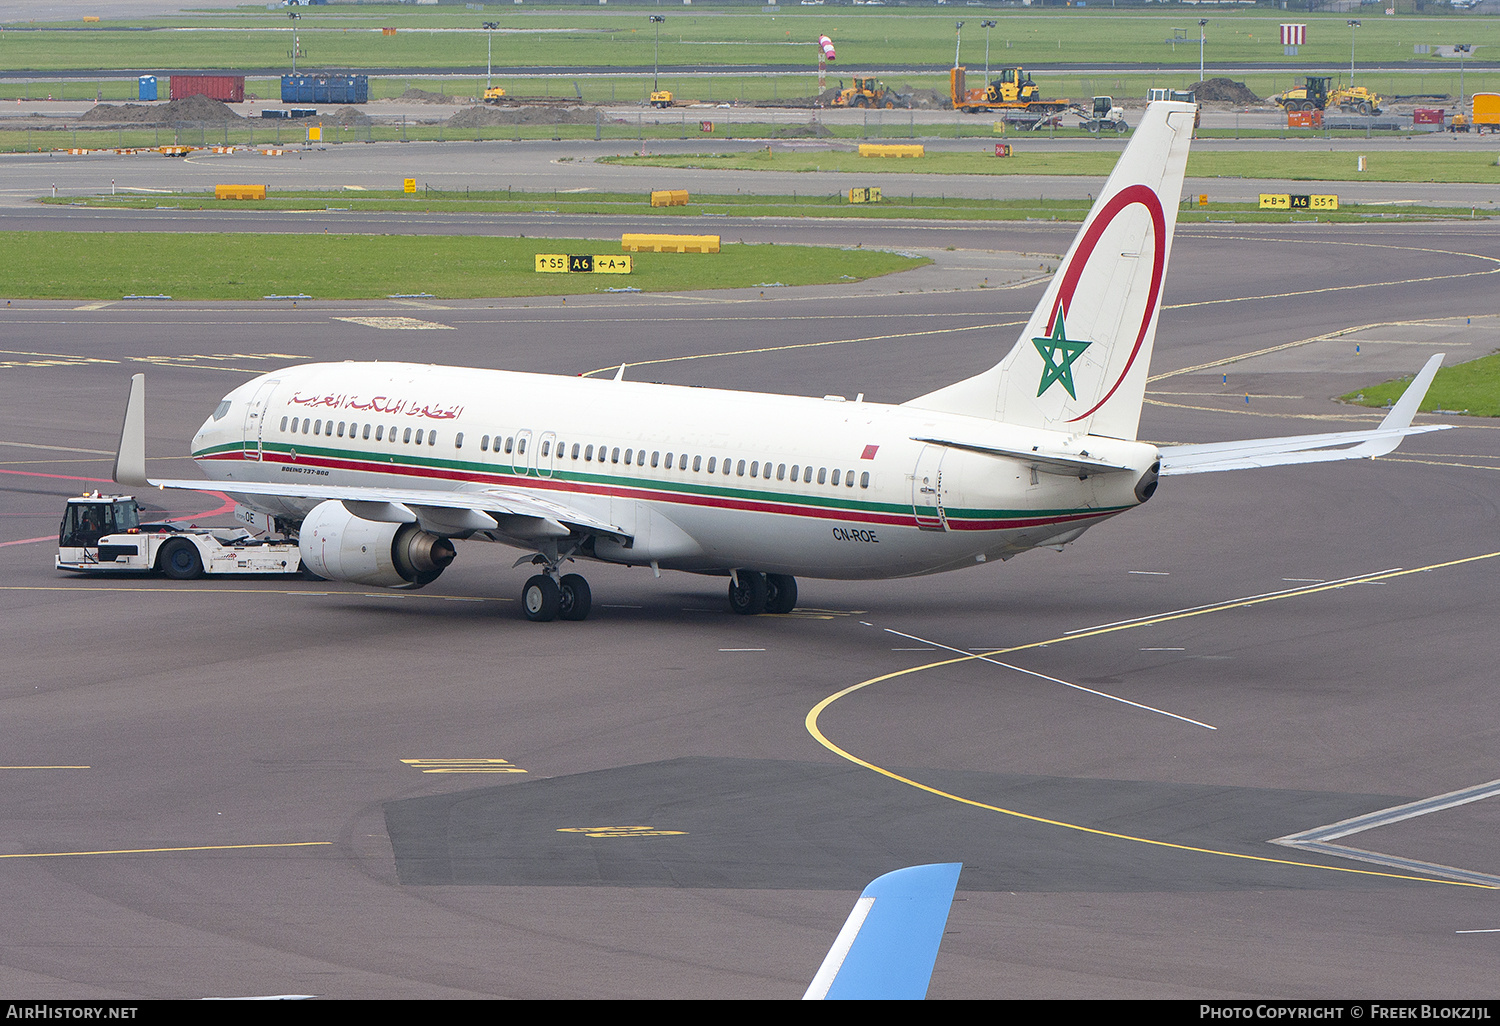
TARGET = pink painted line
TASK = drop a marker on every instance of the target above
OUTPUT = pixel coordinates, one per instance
(28, 541)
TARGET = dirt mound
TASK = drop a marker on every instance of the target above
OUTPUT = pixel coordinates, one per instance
(194, 108)
(423, 96)
(816, 130)
(1223, 90)
(346, 116)
(480, 117)
(928, 99)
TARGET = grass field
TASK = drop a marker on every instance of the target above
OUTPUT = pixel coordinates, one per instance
(1478, 167)
(69, 265)
(1472, 387)
(349, 36)
(827, 205)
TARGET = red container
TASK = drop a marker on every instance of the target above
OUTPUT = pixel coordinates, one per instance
(1427, 116)
(229, 88)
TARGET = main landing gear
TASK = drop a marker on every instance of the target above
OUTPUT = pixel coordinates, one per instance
(567, 598)
(751, 592)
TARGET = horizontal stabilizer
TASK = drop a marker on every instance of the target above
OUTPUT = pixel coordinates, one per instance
(890, 941)
(1211, 457)
(1072, 465)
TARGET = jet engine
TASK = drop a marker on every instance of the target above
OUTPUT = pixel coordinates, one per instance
(339, 546)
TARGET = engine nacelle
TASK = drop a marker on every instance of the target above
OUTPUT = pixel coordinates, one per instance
(339, 546)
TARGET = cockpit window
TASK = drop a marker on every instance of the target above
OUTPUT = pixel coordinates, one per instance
(221, 409)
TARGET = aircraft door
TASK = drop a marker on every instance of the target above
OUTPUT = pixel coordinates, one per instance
(546, 454)
(524, 455)
(255, 418)
(927, 489)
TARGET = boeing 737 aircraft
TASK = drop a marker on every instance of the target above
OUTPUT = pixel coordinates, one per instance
(380, 467)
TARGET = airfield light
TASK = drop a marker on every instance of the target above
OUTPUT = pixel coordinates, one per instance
(489, 52)
(656, 20)
(1202, 35)
(1353, 24)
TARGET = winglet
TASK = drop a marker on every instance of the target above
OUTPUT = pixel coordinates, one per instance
(1401, 414)
(130, 458)
(889, 943)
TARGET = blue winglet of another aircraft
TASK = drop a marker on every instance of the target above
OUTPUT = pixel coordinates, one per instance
(889, 943)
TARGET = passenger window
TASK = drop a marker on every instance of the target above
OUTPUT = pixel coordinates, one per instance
(682, 463)
(654, 455)
(766, 473)
(341, 429)
(628, 453)
(379, 432)
(546, 447)
(697, 463)
(835, 478)
(295, 421)
(614, 456)
(796, 472)
(458, 440)
(822, 474)
(575, 450)
(484, 444)
(741, 470)
(431, 438)
(521, 447)
(510, 443)
(730, 463)
(781, 471)
(864, 479)
(406, 437)
(849, 479)
(317, 427)
(283, 423)
(366, 435)
(754, 468)
(588, 454)
(711, 461)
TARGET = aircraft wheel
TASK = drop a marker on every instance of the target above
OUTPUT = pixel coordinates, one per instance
(781, 593)
(748, 597)
(574, 598)
(540, 598)
(180, 561)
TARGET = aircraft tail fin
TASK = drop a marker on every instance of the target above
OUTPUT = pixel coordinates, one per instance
(130, 457)
(1081, 362)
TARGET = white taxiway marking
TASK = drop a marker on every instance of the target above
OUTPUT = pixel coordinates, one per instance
(741, 650)
(1055, 680)
(1163, 650)
(1476, 931)
(1151, 573)
(397, 323)
(1318, 839)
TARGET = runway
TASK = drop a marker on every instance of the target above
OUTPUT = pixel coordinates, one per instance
(236, 786)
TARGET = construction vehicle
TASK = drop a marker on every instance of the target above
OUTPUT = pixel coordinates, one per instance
(104, 534)
(870, 92)
(1316, 95)
(1105, 117)
(662, 99)
(1013, 90)
(1485, 114)
(494, 94)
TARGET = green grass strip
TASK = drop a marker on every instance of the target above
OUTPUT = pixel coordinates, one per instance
(1472, 388)
(1475, 167)
(84, 265)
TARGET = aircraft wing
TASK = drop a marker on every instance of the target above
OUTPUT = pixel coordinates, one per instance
(1338, 445)
(889, 943)
(513, 512)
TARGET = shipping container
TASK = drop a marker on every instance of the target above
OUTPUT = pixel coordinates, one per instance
(325, 88)
(147, 87)
(229, 88)
(1427, 116)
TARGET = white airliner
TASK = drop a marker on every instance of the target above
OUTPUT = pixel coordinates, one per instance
(380, 466)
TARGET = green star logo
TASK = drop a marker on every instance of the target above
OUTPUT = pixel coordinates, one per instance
(1058, 353)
